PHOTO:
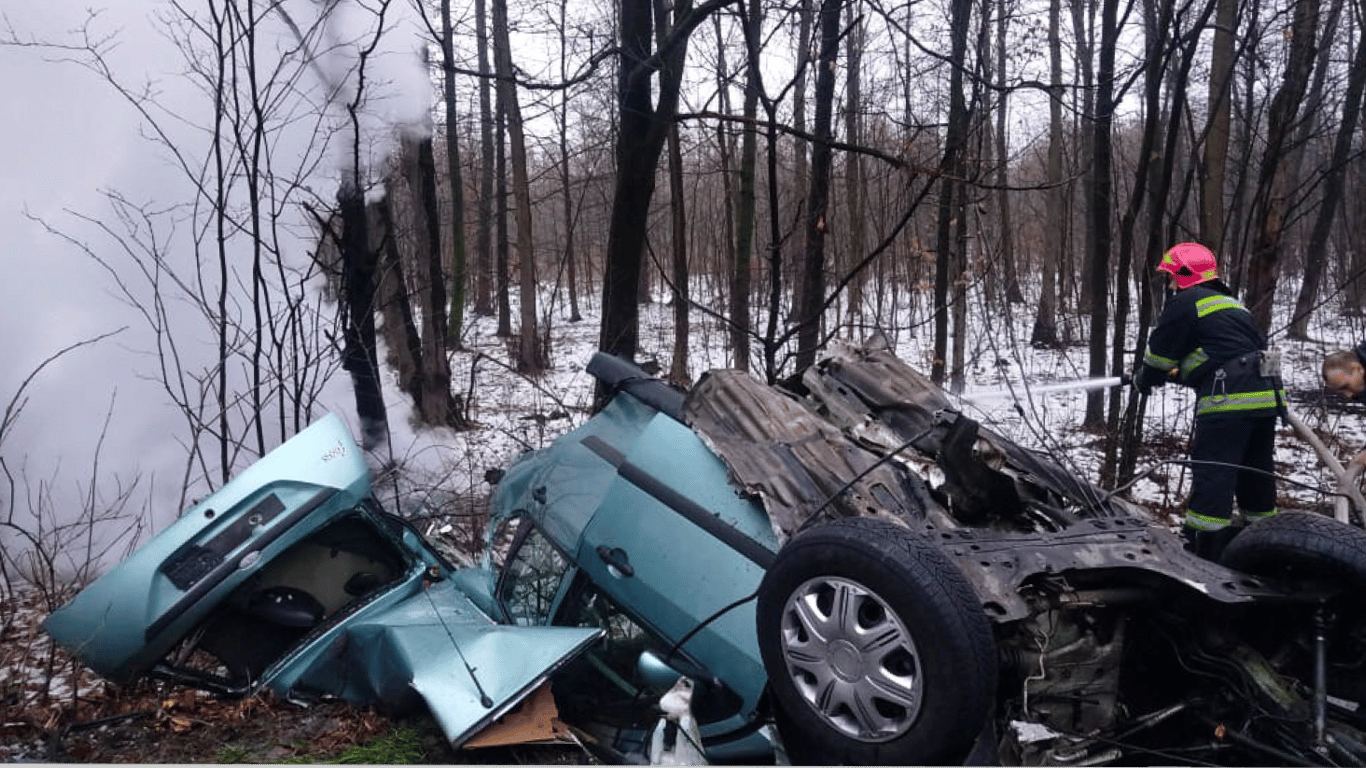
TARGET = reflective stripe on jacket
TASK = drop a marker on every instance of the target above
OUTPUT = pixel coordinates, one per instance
(1212, 341)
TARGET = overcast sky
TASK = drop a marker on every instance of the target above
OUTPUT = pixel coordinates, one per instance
(63, 140)
(67, 139)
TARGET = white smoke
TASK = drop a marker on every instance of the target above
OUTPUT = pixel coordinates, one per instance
(76, 145)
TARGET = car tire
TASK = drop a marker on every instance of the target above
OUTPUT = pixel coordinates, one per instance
(1299, 543)
(904, 673)
(1297, 546)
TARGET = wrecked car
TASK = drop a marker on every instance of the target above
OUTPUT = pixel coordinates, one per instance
(846, 556)
(292, 578)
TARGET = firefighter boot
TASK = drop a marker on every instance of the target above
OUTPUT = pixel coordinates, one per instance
(1209, 544)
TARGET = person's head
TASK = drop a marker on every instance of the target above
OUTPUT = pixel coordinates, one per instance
(1344, 374)
(1189, 264)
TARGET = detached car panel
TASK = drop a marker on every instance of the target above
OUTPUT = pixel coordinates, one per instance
(130, 617)
(291, 578)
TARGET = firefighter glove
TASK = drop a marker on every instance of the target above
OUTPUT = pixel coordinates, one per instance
(1147, 378)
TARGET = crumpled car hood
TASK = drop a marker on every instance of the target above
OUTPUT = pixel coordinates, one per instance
(437, 648)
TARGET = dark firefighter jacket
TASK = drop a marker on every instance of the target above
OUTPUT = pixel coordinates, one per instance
(1213, 343)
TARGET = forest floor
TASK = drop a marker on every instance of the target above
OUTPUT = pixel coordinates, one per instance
(155, 722)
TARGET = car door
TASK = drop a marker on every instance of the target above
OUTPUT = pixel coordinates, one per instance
(676, 546)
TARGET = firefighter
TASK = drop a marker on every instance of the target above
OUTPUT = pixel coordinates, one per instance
(1344, 372)
(1207, 340)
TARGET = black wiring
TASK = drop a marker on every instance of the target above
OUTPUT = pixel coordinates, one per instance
(673, 649)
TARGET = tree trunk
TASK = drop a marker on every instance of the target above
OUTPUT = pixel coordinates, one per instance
(643, 127)
(745, 203)
(358, 287)
(1045, 332)
(1085, 139)
(1100, 208)
(678, 366)
(502, 258)
(854, 243)
(436, 406)
(801, 168)
(948, 264)
(813, 264)
(570, 257)
(1316, 254)
(456, 317)
(484, 274)
(1217, 134)
(1013, 294)
(532, 357)
(1273, 188)
(402, 341)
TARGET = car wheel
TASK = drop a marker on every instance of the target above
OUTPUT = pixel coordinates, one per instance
(876, 647)
(1299, 543)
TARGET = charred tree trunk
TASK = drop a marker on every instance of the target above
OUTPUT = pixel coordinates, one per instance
(435, 404)
(402, 341)
(359, 357)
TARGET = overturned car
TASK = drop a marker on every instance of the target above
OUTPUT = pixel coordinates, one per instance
(847, 557)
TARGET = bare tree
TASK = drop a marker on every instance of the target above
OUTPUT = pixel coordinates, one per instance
(1334, 182)
(1010, 276)
(531, 353)
(1217, 134)
(644, 124)
(1045, 332)
(1100, 206)
(456, 180)
(746, 192)
(811, 303)
(1270, 199)
(484, 272)
(952, 203)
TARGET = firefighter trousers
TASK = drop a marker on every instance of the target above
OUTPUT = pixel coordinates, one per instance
(1231, 457)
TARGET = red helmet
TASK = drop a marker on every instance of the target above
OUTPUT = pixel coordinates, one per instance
(1190, 263)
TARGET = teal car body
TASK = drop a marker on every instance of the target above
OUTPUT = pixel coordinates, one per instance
(845, 557)
(642, 513)
(291, 578)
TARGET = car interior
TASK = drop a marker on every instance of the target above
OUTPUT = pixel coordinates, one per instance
(300, 592)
